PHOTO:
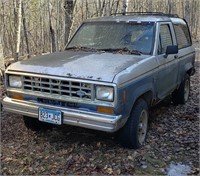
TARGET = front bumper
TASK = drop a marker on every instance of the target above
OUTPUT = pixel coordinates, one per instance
(75, 117)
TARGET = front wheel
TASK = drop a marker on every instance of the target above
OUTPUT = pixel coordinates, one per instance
(133, 134)
(181, 95)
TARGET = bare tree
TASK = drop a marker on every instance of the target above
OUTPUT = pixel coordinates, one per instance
(2, 66)
(169, 6)
(187, 11)
(51, 30)
(101, 7)
(116, 8)
(57, 25)
(18, 30)
(150, 5)
(69, 8)
(125, 6)
(25, 30)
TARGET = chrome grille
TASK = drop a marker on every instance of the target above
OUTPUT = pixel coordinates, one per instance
(60, 87)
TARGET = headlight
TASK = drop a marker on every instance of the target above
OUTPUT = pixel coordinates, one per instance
(15, 81)
(104, 93)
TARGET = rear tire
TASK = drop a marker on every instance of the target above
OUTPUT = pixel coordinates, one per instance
(133, 134)
(181, 95)
(35, 125)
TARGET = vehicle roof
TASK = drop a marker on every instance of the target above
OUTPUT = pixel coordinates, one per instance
(138, 18)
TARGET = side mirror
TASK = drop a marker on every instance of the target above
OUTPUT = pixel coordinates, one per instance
(173, 49)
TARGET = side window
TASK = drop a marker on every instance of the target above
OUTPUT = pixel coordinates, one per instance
(182, 35)
(165, 38)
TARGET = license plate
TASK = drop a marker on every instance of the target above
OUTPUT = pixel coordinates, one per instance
(50, 116)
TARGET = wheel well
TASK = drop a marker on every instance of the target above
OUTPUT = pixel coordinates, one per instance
(191, 71)
(147, 96)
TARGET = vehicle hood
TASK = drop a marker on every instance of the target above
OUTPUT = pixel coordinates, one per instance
(100, 66)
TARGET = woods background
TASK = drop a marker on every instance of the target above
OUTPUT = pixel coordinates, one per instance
(30, 27)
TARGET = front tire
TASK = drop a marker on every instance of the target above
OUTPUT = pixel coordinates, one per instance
(133, 134)
(181, 95)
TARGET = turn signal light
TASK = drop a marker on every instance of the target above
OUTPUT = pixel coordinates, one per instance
(105, 110)
(16, 96)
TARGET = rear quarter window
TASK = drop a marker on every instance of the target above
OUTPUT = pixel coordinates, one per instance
(182, 35)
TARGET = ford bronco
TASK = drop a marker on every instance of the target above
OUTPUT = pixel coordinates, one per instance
(112, 71)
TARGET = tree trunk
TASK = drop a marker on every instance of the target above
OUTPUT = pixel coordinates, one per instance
(197, 20)
(117, 5)
(69, 7)
(42, 28)
(18, 30)
(2, 65)
(187, 11)
(25, 31)
(170, 6)
(53, 40)
(124, 6)
(58, 26)
(101, 7)
(86, 9)
(150, 5)
(51, 31)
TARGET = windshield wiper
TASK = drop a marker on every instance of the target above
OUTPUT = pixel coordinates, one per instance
(122, 50)
(81, 48)
(113, 50)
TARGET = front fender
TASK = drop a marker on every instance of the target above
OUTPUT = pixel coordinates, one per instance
(139, 92)
(133, 91)
(188, 66)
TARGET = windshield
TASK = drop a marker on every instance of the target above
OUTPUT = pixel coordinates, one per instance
(112, 36)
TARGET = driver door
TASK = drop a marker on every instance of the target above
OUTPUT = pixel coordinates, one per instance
(168, 65)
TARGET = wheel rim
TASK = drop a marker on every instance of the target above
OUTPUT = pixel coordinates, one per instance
(142, 128)
(186, 90)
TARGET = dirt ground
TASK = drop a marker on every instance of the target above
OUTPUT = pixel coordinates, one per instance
(173, 137)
